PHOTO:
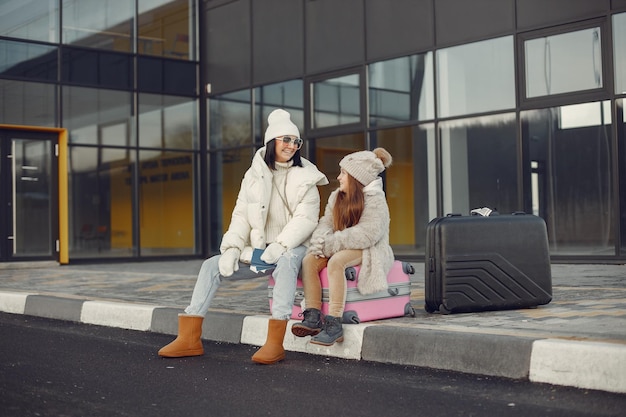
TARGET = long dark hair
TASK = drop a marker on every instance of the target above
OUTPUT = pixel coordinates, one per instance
(349, 206)
(270, 156)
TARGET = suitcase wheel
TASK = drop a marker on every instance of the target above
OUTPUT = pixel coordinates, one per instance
(429, 309)
(408, 268)
(443, 309)
(350, 317)
(409, 310)
(350, 273)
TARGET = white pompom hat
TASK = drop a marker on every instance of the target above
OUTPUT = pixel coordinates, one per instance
(279, 124)
(365, 166)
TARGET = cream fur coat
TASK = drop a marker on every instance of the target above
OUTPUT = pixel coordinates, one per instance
(371, 234)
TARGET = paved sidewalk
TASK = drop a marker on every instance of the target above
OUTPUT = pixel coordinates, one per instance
(579, 339)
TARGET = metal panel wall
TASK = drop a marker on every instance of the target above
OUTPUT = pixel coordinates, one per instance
(460, 21)
(277, 41)
(536, 13)
(334, 34)
(398, 27)
(227, 45)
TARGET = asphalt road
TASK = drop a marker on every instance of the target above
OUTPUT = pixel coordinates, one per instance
(56, 368)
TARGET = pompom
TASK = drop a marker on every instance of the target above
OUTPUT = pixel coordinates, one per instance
(384, 156)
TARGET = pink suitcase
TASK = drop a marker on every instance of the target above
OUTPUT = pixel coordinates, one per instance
(395, 302)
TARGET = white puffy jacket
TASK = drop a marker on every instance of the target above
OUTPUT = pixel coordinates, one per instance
(247, 225)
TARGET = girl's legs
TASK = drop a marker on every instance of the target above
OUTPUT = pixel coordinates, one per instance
(337, 286)
(311, 267)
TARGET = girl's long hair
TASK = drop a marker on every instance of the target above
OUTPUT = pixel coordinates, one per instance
(349, 205)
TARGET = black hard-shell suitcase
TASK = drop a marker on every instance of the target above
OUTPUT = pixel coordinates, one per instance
(477, 263)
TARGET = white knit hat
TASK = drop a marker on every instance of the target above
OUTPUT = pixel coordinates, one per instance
(365, 166)
(279, 124)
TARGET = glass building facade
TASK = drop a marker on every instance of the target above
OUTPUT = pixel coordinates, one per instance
(126, 126)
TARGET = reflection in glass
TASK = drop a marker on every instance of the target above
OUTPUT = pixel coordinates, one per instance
(328, 153)
(167, 122)
(401, 90)
(571, 165)
(87, 110)
(166, 203)
(475, 78)
(226, 170)
(479, 164)
(31, 197)
(101, 24)
(287, 95)
(229, 120)
(30, 19)
(26, 103)
(100, 202)
(28, 60)
(619, 52)
(563, 63)
(166, 28)
(410, 184)
(336, 101)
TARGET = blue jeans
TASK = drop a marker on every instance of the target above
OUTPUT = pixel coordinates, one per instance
(285, 276)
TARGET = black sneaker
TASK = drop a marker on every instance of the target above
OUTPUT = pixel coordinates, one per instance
(311, 325)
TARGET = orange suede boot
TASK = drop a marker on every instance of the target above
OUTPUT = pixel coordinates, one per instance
(273, 350)
(188, 342)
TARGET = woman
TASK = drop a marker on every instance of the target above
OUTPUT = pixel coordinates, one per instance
(277, 209)
(354, 230)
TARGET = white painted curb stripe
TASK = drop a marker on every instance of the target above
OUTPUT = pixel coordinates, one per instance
(592, 365)
(254, 332)
(11, 302)
(123, 315)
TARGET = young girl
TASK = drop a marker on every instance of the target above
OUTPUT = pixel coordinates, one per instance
(353, 231)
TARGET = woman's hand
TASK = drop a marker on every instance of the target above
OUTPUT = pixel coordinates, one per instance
(273, 252)
(229, 262)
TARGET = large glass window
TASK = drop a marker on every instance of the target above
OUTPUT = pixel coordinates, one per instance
(230, 129)
(87, 113)
(167, 28)
(96, 68)
(401, 90)
(102, 24)
(287, 95)
(35, 20)
(28, 61)
(619, 52)
(336, 101)
(100, 185)
(328, 152)
(475, 78)
(26, 103)
(410, 184)
(479, 164)
(563, 63)
(166, 203)
(570, 164)
(168, 122)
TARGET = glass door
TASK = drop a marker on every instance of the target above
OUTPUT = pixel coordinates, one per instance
(28, 188)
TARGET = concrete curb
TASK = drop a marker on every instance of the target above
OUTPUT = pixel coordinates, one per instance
(580, 364)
